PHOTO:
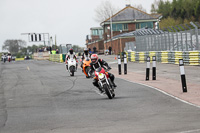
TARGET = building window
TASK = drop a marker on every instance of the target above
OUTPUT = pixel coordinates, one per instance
(144, 25)
(119, 27)
(125, 27)
(95, 32)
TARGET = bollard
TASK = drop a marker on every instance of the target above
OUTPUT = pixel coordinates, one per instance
(154, 68)
(148, 68)
(119, 64)
(183, 80)
(125, 64)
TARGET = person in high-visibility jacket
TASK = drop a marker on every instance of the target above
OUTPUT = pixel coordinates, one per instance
(53, 52)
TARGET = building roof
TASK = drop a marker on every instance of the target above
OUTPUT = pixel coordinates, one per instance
(140, 32)
(156, 15)
(130, 13)
(94, 28)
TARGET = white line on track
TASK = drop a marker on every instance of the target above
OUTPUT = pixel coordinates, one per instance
(112, 62)
(167, 95)
(28, 68)
(191, 131)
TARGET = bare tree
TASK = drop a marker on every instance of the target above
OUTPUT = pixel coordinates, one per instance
(13, 46)
(104, 11)
(154, 7)
(140, 7)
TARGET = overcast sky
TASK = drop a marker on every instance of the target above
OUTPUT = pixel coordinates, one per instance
(69, 20)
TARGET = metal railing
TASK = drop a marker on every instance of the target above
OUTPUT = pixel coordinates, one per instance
(169, 41)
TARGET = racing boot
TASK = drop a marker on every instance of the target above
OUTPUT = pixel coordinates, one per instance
(76, 67)
(114, 84)
(67, 66)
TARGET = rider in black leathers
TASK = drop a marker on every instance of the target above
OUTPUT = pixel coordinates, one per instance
(96, 63)
(86, 54)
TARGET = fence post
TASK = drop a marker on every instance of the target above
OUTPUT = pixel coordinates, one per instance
(125, 64)
(154, 68)
(196, 33)
(148, 68)
(183, 80)
(119, 64)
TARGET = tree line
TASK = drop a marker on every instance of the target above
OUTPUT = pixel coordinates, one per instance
(177, 11)
(19, 48)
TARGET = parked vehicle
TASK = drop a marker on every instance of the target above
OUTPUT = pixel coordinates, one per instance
(104, 82)
(26, 57)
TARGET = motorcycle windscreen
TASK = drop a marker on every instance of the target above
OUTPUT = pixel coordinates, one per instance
(100, 70)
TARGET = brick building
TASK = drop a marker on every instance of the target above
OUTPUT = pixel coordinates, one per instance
(125, 21)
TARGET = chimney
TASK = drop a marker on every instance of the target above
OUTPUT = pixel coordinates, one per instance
(128, 3)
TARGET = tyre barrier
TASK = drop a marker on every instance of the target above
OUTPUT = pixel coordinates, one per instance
(171, 57)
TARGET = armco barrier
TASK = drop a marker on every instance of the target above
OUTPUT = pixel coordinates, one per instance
(18, 59)
(172, 57)
(178, 55)
(194, 57)
(132, 56)
(164, 57)
(141, 57)
(151, 54)
(186, 58)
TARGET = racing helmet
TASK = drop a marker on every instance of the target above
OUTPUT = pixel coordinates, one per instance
(94, 58)
(71, 51)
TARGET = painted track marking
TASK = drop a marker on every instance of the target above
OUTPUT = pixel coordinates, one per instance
(28, 68)
(165, 94)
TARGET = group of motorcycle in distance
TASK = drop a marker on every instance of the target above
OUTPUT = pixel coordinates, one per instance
(6, 58)
(101, 74)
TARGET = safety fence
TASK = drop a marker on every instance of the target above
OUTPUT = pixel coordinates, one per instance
(187, 40)
(171, 57)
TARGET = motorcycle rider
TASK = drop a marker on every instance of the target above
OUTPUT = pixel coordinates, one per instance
(71, 53)
(9, 56)
(86, 54)
(4, 57)
(96, 63)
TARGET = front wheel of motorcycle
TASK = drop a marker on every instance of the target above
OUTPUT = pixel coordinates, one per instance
(72, 73)
(108, 92)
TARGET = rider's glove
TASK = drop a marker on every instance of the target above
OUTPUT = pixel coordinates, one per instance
(109, 67)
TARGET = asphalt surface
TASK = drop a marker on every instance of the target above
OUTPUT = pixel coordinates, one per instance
(41, 97)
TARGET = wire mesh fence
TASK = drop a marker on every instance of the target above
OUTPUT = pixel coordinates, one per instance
(168, 41)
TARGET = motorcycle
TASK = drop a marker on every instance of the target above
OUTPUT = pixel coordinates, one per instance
(104, 82)
(9, 58)
(86, 67)
(4, 59)
(71, 67)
